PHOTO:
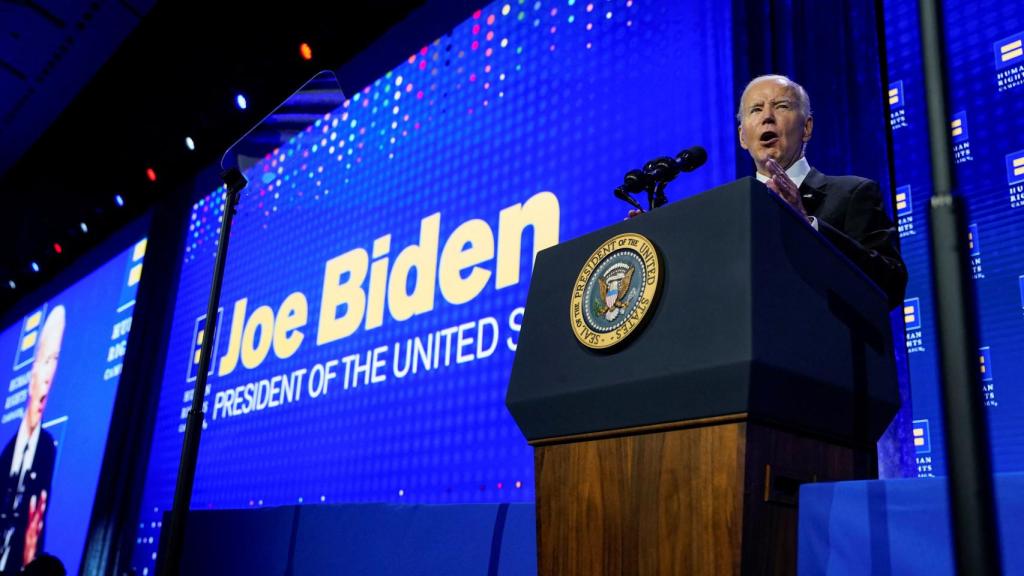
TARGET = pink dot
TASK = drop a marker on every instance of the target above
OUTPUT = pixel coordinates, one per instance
(490, 19)
(419, 95)
(423, 64)
(476, 15)
(499, 485)
(423, 51)
(554, 11)
(472, 77)
(476, 29)
(474, 45)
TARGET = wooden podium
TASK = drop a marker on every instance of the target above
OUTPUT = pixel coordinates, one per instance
(767, 362)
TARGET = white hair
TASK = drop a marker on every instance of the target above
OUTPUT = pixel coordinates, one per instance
(801, 94)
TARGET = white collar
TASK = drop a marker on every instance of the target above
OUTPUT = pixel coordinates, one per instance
(797, 172)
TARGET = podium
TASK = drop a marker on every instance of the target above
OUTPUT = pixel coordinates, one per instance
(765, 362)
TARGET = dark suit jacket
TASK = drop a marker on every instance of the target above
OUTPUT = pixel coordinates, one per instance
(851, 215)
(14, 510)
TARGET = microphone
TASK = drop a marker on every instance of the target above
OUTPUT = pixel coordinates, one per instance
(665, 169)
(656, 174)
(692, 158)
(622, 194)
(636, 181)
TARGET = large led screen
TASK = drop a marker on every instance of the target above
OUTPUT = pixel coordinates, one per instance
(62, 364)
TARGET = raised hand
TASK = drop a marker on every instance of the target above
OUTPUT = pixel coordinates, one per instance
(36, 510)
(783, 185)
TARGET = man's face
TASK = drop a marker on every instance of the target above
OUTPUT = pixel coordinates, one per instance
(772, 124)
(43, 370)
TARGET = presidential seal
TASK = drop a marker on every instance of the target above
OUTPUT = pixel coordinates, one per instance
(614, 291)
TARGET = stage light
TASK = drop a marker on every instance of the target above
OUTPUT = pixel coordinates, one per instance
(189, 143)
(84, 228)
(57, 248)
(240, 101)
(12, 284)
(151, 174)
(306, 51)
(34, 266)
(118, 200)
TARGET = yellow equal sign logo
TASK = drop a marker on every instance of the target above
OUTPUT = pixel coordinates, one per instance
(903, 202)
(922, 436)
(896, 95)
(957, 126)
(135, 274)
(199, 343)
(1015, 167)
(912, 313)
(985, 363)
(1010, 51)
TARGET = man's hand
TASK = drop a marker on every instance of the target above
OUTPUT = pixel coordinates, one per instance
(36, 509)
(781, 184)
(633, 214)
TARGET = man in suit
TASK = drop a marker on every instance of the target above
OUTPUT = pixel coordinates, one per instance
(28, 459)
(775, 124)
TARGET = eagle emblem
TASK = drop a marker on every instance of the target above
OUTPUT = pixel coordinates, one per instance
(614, 291)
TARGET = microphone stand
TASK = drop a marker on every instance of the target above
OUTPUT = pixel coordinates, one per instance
(170, 559)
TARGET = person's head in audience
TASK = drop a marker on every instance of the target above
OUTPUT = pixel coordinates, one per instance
(45, 565)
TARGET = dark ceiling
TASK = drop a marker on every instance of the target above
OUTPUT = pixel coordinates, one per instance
(92, 93)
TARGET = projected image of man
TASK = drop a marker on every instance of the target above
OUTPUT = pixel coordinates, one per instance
(29, 458)
(775, 125)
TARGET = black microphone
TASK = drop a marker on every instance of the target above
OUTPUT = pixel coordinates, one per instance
(661, 169)
(622, 194)
(692, 158)
(665, 169)
(636, 181)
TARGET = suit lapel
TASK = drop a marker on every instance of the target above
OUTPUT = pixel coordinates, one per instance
(812, 191)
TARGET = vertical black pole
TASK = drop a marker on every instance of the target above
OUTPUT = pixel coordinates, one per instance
(170, 556)
(975, 535)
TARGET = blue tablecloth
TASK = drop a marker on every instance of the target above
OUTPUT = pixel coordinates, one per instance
(895, 527)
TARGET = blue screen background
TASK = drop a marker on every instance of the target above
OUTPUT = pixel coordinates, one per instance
(987, 130)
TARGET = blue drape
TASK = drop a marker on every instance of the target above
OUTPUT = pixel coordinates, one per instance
(835, 50)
